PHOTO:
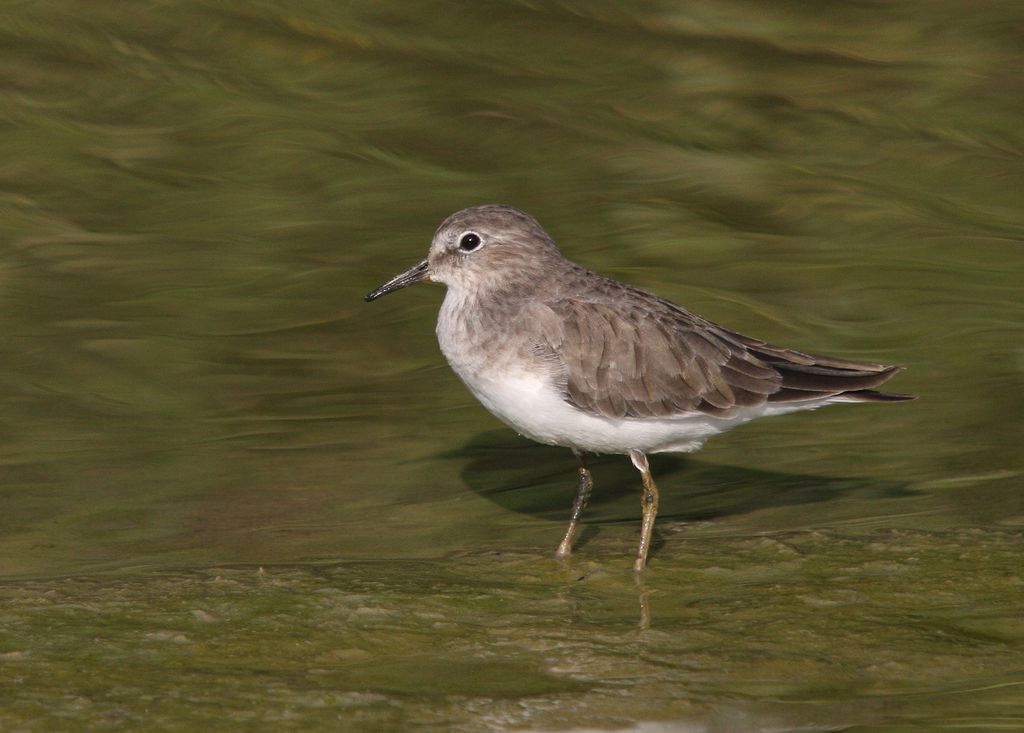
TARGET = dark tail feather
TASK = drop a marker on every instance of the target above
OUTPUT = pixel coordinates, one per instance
(831, 377)
(815, 377)
(871, 395)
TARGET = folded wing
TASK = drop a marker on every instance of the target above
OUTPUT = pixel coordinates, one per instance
(655, 359)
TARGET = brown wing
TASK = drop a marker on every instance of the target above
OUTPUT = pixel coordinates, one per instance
(639, 362)
(646, 357)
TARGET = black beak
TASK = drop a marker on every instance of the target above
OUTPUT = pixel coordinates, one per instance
(409, 277)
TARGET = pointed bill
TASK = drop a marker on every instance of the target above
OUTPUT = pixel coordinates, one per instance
(409, 277)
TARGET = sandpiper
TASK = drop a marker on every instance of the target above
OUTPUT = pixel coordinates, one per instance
(567, 357)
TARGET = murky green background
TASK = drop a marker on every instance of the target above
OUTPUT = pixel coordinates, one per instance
(235, 497)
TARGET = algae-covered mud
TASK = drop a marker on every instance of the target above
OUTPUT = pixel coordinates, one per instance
(816, 630)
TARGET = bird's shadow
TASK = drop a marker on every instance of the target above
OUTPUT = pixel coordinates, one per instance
(522, 476)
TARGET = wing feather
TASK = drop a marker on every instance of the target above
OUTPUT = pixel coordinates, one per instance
(635, 362)
(619, 352)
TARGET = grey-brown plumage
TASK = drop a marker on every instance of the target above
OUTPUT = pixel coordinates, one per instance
(670, 361)
(568, 357)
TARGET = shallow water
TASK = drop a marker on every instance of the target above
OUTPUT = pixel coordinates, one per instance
(237, 497)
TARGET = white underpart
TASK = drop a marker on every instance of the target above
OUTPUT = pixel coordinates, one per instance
(533, 407)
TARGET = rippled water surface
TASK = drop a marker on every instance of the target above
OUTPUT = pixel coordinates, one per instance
(235, 497)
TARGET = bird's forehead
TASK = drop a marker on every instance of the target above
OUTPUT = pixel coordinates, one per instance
(492, 218)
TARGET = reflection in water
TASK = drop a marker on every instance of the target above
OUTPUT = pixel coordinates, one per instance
(645, 604)
(536, 480)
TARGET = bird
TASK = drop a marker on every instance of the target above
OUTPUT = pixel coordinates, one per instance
(567, 357)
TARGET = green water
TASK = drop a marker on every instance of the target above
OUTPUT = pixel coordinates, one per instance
(235, 497)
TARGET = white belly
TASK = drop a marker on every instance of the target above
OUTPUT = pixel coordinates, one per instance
(532, 407)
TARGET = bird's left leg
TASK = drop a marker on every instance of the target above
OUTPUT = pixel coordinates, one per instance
(649, 505)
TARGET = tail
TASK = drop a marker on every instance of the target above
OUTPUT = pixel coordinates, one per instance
(810, 377)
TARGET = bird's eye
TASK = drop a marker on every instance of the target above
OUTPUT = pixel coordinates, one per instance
(469, 241)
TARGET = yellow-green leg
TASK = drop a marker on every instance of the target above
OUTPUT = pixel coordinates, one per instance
(649, 505)
(584, 486)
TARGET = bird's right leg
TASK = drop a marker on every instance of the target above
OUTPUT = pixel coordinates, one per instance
(584, 486)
